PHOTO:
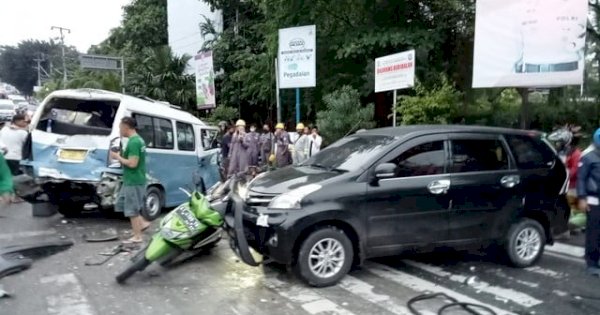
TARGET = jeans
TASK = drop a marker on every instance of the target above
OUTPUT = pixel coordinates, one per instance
(592, 237)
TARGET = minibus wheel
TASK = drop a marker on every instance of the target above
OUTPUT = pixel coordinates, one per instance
(153, 204)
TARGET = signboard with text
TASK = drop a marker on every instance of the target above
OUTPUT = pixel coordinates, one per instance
(100, 62)
(205, 81)
(395, 72)
(297, 57)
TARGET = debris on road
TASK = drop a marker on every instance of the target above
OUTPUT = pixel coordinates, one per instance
(106, 235)
(12, 266)
(107, 255)
(4, 294)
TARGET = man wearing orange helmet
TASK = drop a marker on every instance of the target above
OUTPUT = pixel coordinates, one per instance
(283, 156)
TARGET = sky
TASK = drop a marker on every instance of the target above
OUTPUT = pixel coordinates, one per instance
(90, 21)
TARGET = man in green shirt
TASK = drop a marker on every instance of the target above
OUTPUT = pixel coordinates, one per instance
(133, 191)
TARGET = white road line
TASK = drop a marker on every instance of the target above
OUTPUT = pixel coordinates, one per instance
(421, 285)
(365, 291)
(69, 298)
(23, 234)
(566, 249)
(569, 258)
(308, 299)
(520, 298)
(547, 272)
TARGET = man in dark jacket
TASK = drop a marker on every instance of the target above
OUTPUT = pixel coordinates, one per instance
(588, 182)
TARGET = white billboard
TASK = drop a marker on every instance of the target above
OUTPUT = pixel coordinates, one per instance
(205, 81)
(529, 43)
(395, 72)
(296, 57)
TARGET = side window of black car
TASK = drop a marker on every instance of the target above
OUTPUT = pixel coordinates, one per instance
(529, 152)
(477, 155)
(423, 159)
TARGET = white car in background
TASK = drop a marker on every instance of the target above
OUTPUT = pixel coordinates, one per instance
(7, 110)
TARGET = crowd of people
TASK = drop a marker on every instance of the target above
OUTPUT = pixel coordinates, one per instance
(248, 150)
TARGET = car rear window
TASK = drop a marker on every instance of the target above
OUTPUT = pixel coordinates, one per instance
(530, 152)
(70, 116)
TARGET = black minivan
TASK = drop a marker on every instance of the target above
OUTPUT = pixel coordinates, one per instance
(386, 191)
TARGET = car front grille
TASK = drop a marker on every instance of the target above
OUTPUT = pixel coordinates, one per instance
(256, 199)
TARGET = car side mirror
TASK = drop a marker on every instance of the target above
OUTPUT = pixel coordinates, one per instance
(385, 170)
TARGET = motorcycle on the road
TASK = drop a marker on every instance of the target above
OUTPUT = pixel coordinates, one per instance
(189, 229)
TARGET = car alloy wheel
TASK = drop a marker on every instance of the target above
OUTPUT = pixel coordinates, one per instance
(326, 258)
(528, 244)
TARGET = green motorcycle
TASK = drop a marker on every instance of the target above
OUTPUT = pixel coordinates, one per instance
(185, 232)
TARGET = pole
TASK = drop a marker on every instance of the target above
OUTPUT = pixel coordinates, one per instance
(62, 42)
(277, 91)
(524, 107)
(297, 105)
(39, 72)
(123, 74)
(394, 109)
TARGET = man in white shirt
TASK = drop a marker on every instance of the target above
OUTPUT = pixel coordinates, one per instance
(316, 141)
(13, 138)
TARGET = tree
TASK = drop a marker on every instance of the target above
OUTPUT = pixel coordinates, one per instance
(438, 105)
(161, 76)
(344, 114)
(18, 66)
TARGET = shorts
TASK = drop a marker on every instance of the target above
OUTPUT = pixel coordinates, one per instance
(131, 200)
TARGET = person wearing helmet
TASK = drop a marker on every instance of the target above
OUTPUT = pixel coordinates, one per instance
(588, 192)
(238, 155)
(283, 155)
(252, 142)
(301, 145)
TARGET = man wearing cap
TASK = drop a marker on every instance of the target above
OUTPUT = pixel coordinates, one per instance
(301, 145)
(283, 156)
(238, 156)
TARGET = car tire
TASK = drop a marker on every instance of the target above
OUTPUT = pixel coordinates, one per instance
(525, 242)
(70, 210)
(153, 204)
(328, 246)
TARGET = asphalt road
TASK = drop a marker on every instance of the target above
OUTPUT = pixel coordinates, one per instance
(218, 283)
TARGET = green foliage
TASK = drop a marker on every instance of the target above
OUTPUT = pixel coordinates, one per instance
(17, 65)
(161, 76)
(344, 114)
(223, 113)
(438, 105)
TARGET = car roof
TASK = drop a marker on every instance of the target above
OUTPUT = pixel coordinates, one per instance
(429, 129)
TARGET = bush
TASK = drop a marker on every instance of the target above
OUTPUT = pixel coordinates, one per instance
(223, 113)
(429, 106)
(344, 114)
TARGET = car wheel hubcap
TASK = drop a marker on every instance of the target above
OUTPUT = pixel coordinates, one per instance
(529, 244)
(152, 204)
(326, 258)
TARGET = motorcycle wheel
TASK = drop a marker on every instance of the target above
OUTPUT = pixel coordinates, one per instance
(139, 264)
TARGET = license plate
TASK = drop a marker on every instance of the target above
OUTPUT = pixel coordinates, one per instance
(72, 155)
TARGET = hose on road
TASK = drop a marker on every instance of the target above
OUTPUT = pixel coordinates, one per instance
(473, 309)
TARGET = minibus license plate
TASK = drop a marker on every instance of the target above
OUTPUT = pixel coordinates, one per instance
(72, 155)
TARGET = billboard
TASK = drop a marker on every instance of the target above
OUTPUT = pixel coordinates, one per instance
(529, 43)
(296, 57)
(395, 72)
(205, 81)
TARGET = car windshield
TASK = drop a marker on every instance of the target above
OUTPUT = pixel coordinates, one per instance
(6, 107)
(350, 154)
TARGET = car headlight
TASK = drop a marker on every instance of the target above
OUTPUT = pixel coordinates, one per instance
(293, 199)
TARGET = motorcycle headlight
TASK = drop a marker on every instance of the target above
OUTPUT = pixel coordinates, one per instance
(293, 199)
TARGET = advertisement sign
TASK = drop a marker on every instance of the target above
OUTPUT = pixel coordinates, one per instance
(395, 72)
(529, 43)
(100, 62)
(205, 81)
(296, 56)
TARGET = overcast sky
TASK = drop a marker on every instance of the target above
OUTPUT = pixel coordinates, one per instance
(89, 20)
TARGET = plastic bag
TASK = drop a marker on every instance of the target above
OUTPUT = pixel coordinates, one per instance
(578, 219)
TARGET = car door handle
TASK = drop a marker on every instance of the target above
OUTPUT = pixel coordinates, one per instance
(438, 187)
(510, 181)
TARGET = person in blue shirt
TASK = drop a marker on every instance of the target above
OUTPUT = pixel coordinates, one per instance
(588, 193)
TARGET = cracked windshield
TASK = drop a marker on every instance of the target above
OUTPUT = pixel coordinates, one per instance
(345, 157)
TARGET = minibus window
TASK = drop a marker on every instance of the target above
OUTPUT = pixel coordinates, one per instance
(185, 137)
(68, 116)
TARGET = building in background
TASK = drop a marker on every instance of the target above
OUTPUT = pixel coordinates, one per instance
(184, 18)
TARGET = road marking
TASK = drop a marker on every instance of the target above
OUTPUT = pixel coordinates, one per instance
(520, 298)
(421, 285)
(566, 249)
(546, 272)
(69, 298)
(365, 291)
(23, 234)
(573, 259)
(308, 299)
